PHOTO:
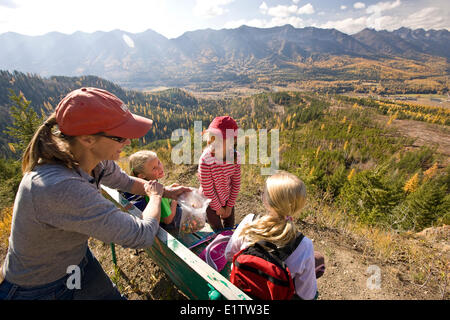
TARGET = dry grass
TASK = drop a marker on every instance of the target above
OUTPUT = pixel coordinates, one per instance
(420, 261)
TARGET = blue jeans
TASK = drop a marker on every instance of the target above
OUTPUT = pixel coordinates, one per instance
(95, 285)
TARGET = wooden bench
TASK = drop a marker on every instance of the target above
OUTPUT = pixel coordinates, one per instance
(194, 277)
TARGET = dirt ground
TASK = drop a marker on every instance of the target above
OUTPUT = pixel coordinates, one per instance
(425, 134)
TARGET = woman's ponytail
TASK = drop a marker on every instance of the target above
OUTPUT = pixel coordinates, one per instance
(284, 196)
(48, 147)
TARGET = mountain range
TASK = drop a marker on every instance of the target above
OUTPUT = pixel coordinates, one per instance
(240, 55)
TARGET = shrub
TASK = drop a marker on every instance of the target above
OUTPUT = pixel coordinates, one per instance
(370, 196)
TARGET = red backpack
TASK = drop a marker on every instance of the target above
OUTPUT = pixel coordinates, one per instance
(261, 273)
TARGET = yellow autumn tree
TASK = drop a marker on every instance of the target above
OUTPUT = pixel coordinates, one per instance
(5, 224)
(11, 147)
(412, 184)
(352, 173)
(431, 172)
(317, 151)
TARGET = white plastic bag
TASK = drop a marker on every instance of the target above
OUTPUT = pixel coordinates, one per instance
(193, 205)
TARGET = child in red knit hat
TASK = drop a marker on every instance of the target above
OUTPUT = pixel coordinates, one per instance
(219, 172)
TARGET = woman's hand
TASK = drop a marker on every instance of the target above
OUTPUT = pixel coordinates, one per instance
(154, 188)
(175, 190)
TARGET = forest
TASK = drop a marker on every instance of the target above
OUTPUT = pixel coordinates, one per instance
(351, 162)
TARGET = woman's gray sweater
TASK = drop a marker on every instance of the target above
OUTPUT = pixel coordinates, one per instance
(56, 210)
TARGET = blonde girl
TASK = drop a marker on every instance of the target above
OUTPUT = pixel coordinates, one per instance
(284, 197)
(146, 165)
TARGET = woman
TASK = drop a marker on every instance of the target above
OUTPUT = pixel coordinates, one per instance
(59, 205)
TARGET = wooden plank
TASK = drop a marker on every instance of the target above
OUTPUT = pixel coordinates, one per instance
(189, 273)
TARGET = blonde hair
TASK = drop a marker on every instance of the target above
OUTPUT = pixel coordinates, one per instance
(284, 196)
(48, 146)
(138, 159)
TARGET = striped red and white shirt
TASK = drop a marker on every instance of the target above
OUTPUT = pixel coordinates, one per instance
(219, 181)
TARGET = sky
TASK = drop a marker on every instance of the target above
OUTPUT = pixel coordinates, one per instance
(172, 18)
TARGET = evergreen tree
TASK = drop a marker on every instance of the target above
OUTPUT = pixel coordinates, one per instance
(429, 204)
(370, 196)
(25, 122)
(10, 176)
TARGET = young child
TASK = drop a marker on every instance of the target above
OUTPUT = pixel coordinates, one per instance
(284, 197)
(145, 164)
(219, 172)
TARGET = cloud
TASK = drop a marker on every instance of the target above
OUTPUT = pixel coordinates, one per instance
(383, 6)
(375, 18)
(349, 25)
(294, 21)
(279, 15)
(286, 11)
(210, 8)
(359, 5)
(281, 11)
(128, 40)
(257, 23)
(428, 18)
(306, 9)
(343, 7)
(8, 4)
(263, 8)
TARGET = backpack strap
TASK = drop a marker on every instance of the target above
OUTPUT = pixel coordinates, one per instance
(268, 244)
(284, 252)
(262, 245)
(288, 249)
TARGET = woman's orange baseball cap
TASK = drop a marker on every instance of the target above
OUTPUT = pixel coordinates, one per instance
(92, 110)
